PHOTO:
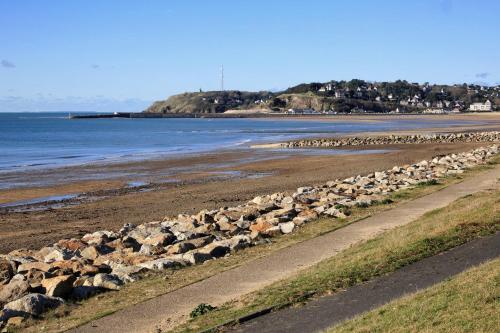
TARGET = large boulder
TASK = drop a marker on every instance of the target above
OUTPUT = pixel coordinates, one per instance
(71, 244)
(36, 265)
(159, 264)
(287, 227)
(33, 304)
(107, 281)
(187, 245)
(57, 255)
(195, 257)
(59, 286)
(7, 269)
(15, 289)
(216, 249)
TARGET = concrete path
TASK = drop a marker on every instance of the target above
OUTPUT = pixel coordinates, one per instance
(170, 308)
(327, 311)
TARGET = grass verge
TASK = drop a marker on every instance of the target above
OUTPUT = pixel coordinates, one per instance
(156, 284)
(465, 219)
(468, 302)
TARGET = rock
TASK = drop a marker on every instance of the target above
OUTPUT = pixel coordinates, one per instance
(216, 249)
(334, 213)
(305, 189)
(33, 304)
(261, 200)
(99, 237)
(128, 273)
(287, 201)
(194, 257)
(107, 281)
(7, 269)
(5, 315)
(159, 240)
(71, 244)
(58, 255)
(67, 266)
(14, 322)
(273, 231)
(90, 252)
(92, 270)
(83, 292)
(160, 264)
(243, 224)
(224, 224)
(151, 250)
(59, 286)
(127, 242)
(205, 217)
(36, 265)
(287, 227)
(188, 245)
(260, 226)
(305, 216)
(35, 277)
(15, 289)
(127, 227)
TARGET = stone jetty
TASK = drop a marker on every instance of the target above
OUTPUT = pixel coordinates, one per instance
(492, 136)
(32, 282)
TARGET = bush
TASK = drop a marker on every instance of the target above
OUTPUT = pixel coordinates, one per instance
(429, 182)
(201, 309)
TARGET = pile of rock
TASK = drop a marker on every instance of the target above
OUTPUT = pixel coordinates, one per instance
(395, 139)
(33, 281)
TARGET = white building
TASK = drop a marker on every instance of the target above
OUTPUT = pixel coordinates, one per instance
(486, 106)
(339, 94)
(434, 111)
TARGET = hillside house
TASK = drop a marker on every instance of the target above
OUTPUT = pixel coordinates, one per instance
(481, 107)
(339, 93)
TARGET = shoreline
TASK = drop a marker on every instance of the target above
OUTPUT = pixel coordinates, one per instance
(472, 122)
(120, 165)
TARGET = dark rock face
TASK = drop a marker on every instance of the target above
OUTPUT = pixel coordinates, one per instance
(209, 102)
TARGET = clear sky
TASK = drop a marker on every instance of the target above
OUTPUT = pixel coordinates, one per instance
(103, 55)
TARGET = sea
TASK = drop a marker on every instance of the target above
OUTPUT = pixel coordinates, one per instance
(47, 140)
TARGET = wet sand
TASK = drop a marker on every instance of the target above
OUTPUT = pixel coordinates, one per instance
(194, 191)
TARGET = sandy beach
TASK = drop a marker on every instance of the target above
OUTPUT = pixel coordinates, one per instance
(138, 192)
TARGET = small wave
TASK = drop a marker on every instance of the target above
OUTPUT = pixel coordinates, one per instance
(70, 157)
(60, 117)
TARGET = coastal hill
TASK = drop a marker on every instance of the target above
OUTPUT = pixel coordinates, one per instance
(209, 102)
(354, 96)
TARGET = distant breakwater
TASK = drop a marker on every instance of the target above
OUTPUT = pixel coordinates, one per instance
(394, 139)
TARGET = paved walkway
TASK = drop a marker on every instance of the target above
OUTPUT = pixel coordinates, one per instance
(327, 311)
(167, 309)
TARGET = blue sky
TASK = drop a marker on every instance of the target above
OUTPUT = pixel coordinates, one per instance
(108, 55)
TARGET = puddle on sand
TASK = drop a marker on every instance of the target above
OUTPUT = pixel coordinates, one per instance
(38, 200)
(241, 174)
(331, 151)
(136, 184)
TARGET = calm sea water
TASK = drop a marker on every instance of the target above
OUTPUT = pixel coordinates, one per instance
(38, 140)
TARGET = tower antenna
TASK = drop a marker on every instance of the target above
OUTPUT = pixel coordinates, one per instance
(222, 77)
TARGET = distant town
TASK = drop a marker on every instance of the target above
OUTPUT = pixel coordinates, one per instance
(340, 97)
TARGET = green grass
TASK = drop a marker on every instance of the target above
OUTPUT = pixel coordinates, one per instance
(156, 284)
(469, 302)
(439, 230)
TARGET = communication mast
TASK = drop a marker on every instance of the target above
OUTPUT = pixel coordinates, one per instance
(222, 77)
